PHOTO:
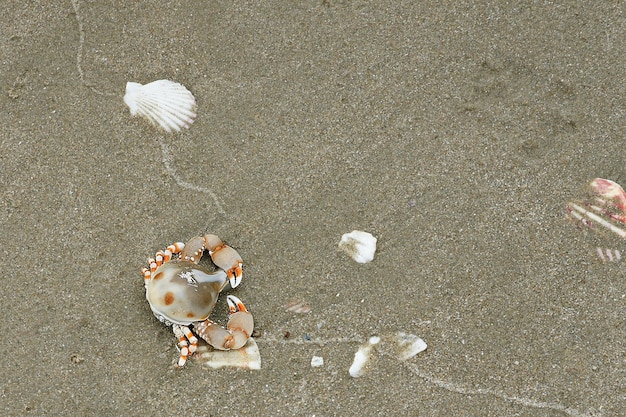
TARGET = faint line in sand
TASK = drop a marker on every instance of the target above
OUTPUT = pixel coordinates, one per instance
(79, 53)
(181, 182)
(526, 402)
(440, 383)
(164, 150)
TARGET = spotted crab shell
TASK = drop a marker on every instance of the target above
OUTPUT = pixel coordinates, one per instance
(182, 292)
(164, 103)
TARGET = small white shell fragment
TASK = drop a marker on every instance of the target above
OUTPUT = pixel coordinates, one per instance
(163, 102)
(408, 345)
(362, 356)
(317, 361)
(359, 245)
(248, 357)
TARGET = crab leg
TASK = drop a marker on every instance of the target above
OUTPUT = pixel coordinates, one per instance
(159, 259)
(192, 251)
(237, 332)
(585, 216)
(182, 345)
(187, 343)
(222, 255)
(599, 209)
(166, 255)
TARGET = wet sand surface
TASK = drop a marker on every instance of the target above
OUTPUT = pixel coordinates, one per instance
(453, 132)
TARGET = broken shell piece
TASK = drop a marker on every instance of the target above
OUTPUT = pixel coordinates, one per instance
(359, 245)
(317, 361)
(408, 345)
(362, 356)
(163, 102)
(248, 357)
(398, 345)
(297, 307)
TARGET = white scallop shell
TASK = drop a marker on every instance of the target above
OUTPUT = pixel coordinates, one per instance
(163, 102)
(359, 245)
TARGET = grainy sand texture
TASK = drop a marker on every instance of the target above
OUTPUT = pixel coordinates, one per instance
(455, 132)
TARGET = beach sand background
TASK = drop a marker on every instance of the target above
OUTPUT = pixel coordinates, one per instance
(454, 132)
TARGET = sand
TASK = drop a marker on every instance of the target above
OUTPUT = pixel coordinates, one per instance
(454, 132)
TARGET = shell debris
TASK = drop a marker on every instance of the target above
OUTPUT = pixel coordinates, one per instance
(163, 103)
(400, 345)
(317, 361)
(297, 307)
(248, 357)
(360, 245)
(407, 345)
(362, 356)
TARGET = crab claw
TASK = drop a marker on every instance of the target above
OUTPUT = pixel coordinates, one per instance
(237, 331)
(226, 258)
(235, 304)
(235, 275)
(240, 324)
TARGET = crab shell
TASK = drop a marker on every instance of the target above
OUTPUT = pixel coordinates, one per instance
(182, 292)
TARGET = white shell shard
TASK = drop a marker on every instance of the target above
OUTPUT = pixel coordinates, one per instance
(361, 246)
(164, 103)
(400, 346)
(408, 345)
(317, 361)
(248, 357)
(362, 356)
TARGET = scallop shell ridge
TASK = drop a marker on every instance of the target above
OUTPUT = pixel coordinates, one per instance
(163, 103)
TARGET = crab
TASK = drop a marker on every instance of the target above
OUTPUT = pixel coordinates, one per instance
(182, 294)
(605, 206)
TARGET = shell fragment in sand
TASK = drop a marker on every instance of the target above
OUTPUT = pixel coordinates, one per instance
(359, 245)
(362, 356)
(407, 345)
(317, 361)
(248, 357)
(400, 345)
